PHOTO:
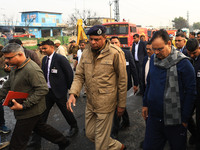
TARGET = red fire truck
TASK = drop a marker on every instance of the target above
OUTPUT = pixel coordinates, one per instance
(124, 30)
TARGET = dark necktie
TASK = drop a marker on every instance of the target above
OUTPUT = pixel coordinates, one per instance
(46, 68)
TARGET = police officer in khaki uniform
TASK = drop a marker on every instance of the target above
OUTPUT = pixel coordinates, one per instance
(73, 49)
(103, 70)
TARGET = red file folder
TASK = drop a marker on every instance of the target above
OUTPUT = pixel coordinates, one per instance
(14, 95)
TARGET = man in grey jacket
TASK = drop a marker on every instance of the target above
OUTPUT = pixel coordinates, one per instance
(26, 76)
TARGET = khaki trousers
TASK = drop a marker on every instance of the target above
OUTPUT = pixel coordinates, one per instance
(98, 128)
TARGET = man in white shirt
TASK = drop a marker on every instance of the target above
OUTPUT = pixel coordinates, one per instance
(139, 52)
(79, 53)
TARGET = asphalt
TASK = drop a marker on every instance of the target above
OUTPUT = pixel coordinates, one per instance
(131, 136)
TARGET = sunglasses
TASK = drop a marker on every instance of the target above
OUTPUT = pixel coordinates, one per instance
(178, 40)
(148, 49)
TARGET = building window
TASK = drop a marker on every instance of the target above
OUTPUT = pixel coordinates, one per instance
(43, 20)
(57, 21)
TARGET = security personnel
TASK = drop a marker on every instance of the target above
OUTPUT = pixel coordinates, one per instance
(103, 70)
(131, 75)
(194, 52)
(73, 49)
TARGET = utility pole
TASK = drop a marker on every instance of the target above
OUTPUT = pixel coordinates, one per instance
(110, 3)
(116, 10)
(188, 18)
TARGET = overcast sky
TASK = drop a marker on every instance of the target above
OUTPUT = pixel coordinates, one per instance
(141, 12)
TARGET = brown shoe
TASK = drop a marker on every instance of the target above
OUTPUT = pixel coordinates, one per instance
(123, 147)
(4, 144)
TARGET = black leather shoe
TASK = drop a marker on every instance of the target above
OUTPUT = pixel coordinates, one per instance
(63, 147)
(72, 131)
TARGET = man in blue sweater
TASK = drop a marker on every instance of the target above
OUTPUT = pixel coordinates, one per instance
(169, 97)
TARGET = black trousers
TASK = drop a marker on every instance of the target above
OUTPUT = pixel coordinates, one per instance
(198, 123)
(61, 103)
(2, 120)
(157, 134)
(139, 71)
(192, 127)
(117, 120)
(24, 127)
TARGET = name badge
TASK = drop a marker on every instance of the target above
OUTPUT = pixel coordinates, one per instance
(198, 74)
(54, 71)
(127, 63)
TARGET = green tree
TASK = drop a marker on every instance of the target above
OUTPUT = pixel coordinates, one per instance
(196, 25)
(180, 23)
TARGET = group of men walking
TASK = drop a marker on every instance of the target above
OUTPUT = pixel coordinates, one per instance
(163, 75)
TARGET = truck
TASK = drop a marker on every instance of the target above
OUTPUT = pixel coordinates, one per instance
(124, 31)
(24, 35)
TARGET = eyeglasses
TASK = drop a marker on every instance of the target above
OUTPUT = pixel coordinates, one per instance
(158, 49)
(9, 58)
(148, 49)
(178, 40)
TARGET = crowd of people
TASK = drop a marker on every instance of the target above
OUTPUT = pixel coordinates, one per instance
(165, 71)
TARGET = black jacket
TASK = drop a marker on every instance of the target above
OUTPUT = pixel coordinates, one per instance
(62, 76)
(143, 86)
(141, 51)
(131, 69)
(196, 64)
(184, 51)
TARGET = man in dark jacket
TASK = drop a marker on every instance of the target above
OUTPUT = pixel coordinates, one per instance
(59, 76)
(169, 96)
(26, 76)
(194, 52)
(131, 73)
(145, 68)
(139, 52)
(180, 42)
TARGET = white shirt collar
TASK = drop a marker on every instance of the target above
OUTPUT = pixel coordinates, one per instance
(50, 57)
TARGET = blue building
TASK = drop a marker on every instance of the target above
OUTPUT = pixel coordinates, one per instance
(41, 23)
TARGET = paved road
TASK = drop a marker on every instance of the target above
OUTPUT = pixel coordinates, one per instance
(131, 136)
